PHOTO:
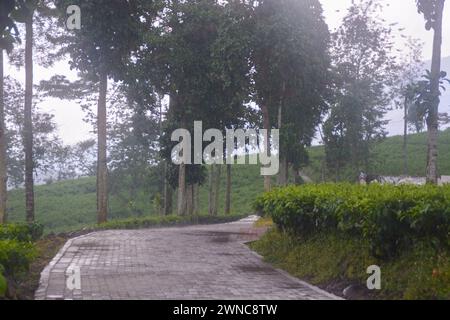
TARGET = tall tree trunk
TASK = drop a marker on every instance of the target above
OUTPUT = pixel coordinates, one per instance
(405, 139)
(211, 196)
(217, 188)
(433, 115)
(167, 193)
(3, 172)
(102, 170)
(190, 200)
(266, 120)
(297, 177)
(196, 200)
(228, 192)
(283, 174)
(281, 178)
(181, 190)
(28, 122)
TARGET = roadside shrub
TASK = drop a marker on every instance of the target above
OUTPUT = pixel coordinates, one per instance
(3, 283)
(15, 256)
(390, 218)
(21, 232)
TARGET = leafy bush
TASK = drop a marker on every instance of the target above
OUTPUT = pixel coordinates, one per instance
(336, 260)
(15, 256)
(21, 232)
(3, 283)
(390, 218)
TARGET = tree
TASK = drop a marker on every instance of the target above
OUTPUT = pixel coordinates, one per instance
(102, 49)
(84, 158)
(198, 57)
(9, 34)
(25, 12)
(366, 69)
(28, 123)
(46, 142)
(411, 68)
(421, 95)
(3, 172)
(291, 62)
(432, 11)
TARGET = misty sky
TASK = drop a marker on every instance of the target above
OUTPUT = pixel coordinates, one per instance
(69, 116)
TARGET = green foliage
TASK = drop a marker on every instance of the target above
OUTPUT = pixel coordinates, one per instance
(70, 205)
(3, 283)
(366, 69)
(15, 256)
(110, 31)
(22, 232)
(391, 219)
(327, 258)
(429, 9)
(291, 59)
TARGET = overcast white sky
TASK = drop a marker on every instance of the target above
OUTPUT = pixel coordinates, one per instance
(69, 115)
(402, 11)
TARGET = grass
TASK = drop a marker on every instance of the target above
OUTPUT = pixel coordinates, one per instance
(388, 157)
(71, 205)
(326, 259)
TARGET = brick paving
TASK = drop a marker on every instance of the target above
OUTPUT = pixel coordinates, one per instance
(196, 262)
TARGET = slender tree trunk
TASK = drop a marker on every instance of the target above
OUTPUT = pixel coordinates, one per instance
(266, 120)
(168, 202)
(217, 188)
(282, 175)
(167, 193)
(211, 196)
(297, 178)
(228, 192)
(433, 115)
(182, 190)
(3, 172)
(286, 171)
(28, 122)
(196, 199)
(190, 200)
(102, 169)
(405, 139)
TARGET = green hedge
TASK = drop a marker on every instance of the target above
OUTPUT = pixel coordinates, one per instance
(16, 250)
(22, 232)
(15, 256)
(391, 218)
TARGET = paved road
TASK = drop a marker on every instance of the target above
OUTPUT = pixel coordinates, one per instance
(197, 262)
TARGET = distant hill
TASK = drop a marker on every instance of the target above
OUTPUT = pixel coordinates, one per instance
(388, 157)
(70, 205)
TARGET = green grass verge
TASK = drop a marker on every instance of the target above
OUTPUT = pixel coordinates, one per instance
(421, 273)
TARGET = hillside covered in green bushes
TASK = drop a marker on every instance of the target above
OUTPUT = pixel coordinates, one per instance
(71, 205)
(387, 159)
